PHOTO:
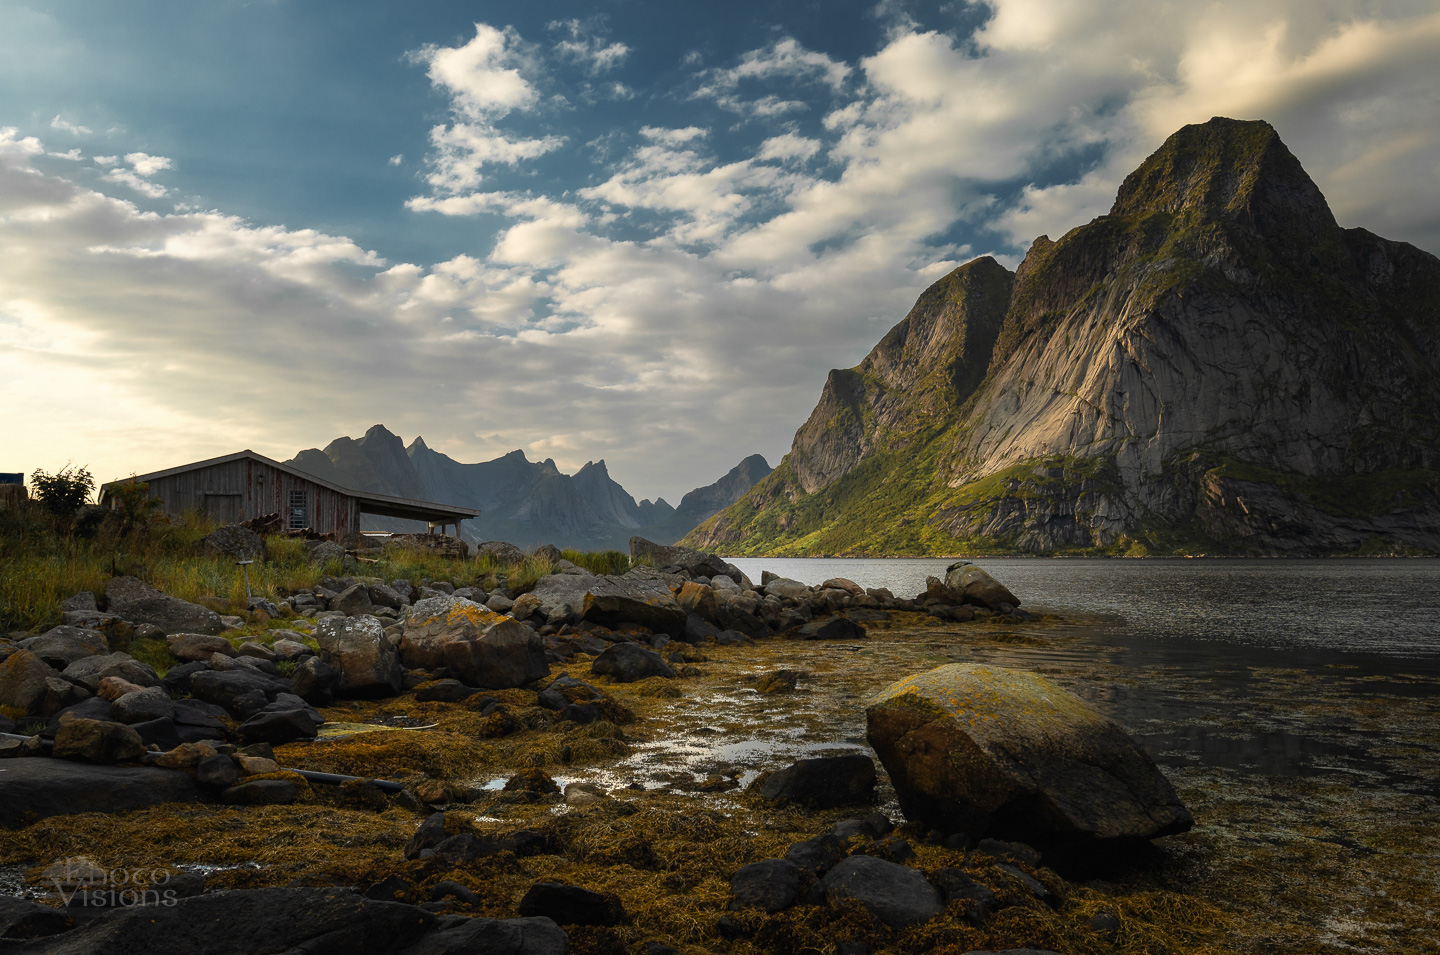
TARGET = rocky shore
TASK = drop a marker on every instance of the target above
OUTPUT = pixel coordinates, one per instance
(409, 766)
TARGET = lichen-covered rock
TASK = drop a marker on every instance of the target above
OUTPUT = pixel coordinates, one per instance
(698, 599)
(358, 650)
(989, 751)
(481, 647)
(97, 741)
(22, 681)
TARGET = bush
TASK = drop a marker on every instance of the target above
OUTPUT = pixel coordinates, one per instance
(63, 492)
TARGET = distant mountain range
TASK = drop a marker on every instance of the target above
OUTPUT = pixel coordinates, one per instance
(1213, 367)
(521, 501)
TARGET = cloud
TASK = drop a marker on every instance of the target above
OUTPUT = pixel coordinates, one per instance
(584, 46)
(396, 159)
(71, 154)
(133, 180)
(71, 128)
(485, 82)
(785, 59)
(106, 160)
(147, 165)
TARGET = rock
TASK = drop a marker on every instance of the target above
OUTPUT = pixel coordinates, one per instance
(780, 681)
(841, 583)
(681, 559)
(480, 647)
(20, 919)
(37, 788)
(818, 855)
(443, 691)
(524, 936)
(315, 681)
(831, 628)
(524, 606)
(62, 646)
(137, 603)
(785, 587)
(698, 599)
(502, 604)
(628, 662)
(383, 596)
(236, 690)
(289, 649)
(84, 601)
(823, 782)
(177, 679)
(353, 601)
(216, 772)
(89, 671)
(501, 551)
(571, 905)
(977, 587)
(262, 605)
(113, 687)
(697, 628)
(259, 651)
(316, 921)
(235, 541)
(326, 551)
(956, 884)
(357, 649)
(23, 677)
(895, 894)
(989, 751)
(278, 726)
(186, 756)
(611, 601)
(770, 885)
(151, 703)
(97, 741)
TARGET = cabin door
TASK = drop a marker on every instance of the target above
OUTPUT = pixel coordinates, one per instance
(224, 508)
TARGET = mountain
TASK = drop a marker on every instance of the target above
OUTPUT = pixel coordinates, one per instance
(1214, 367)
(521, 501)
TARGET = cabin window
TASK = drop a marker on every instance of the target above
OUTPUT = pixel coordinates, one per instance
(299, 511)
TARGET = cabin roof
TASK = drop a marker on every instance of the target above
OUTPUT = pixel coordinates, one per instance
(381, 505)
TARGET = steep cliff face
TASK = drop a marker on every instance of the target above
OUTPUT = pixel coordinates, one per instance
(1214, 366)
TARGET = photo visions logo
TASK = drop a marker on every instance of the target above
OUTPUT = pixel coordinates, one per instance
(79, 882)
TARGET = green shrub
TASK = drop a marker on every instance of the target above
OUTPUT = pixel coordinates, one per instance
(64, 491)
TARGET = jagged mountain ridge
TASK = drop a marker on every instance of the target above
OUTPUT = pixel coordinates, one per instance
(521, 501)
(1214, 366)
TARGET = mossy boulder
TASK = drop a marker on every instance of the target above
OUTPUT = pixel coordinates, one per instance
(481, 647)
(990, 751)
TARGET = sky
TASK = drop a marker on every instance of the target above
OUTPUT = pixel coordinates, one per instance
(623, 229)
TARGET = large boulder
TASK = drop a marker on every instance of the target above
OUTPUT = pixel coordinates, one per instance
(36, 788)
(994, 752)
(561, 596)
(142, 705)
(63, 645)
(611, 601)
(23, 686)
(232, 540)
(502, 551)
(97, 741)
(132, 600)
(672, 558)
(358, 650)
(241, 691)
(974, 586)
(198, 646)
(481, 647)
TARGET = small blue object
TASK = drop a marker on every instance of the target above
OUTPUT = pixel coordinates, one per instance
(11, 478)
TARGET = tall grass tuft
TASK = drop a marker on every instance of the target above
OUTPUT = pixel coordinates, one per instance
(598, 562)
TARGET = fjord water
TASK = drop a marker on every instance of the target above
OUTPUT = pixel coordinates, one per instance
(1258, 666)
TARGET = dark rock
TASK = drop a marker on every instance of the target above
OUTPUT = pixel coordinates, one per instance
(353, 601)
(89, 671)
(97, 741)
(134, 601)
(479, 646)
(328, 921)
(465, 847)
(428, 835)
(22, 919)
(697, 629)
(278, 726)
(896, 895)
(628, 662)
(1032, 885)
(1016, 852)
(831, 628)
(357, 648)
(62, 646)
(823, 782)
(956, 885)
(571, 905)
(443, 691)
(38, 787)
(730, 929)
(524, 842)
(526, 936)
(818, 855)
(236, 690)
(166, 734)
(177, 679)
(692, 562)
(771, 885)
(23, 677)
(151, 703)
(989, 751)
(315, 681)
(975, 586)
(262, 792)
(216, 772)
(890, 848)
(450, 889)
(611, 601)
(198, 646)
(392, 888)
